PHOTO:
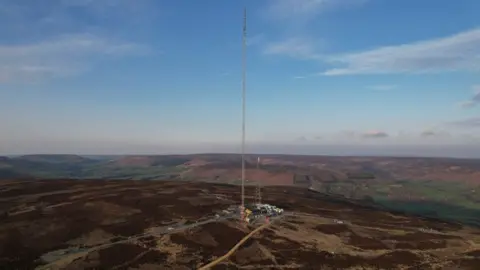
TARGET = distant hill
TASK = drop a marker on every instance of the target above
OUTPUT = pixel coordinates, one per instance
(54, 158)
(317, 168)
(382, 179)
(11, 174)
(146, 161)
(100, 157)
(44, 166)
(8, 170)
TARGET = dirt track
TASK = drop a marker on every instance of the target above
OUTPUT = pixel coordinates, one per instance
(44, 216)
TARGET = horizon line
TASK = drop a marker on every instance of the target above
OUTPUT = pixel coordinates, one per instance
(247, 154)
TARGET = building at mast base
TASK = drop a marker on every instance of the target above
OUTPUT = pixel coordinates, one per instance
(256, 210)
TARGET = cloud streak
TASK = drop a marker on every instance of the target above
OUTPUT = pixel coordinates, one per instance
(294, 47)
(39, 19)
(475, 100)
(62, 56)
(57, 38)
(467, 123)
(255, 39)
(459, 52)
(294, 15)
(301, 139)
(437, 134)
(428, 133)
(375, 134)
(305, 9)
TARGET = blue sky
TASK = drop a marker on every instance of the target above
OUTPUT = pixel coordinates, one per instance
(323, 76)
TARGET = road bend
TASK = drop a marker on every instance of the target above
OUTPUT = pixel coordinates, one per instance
(80, 252)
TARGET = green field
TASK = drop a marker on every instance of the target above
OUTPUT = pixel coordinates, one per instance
(440, 199)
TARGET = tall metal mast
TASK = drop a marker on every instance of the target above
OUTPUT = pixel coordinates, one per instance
(244, 64)
(258, 192)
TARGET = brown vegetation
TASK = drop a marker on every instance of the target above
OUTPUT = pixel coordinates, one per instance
(48, 216)
(254, 175)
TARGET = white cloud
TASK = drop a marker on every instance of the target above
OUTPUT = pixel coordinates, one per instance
(40, 18)
(301, 139)
(459, 52)
(296, 14)
(305, 9)
(467, 104)
(45, 39)
(62, 56)
(428, 133)
(375, 134)
(255, 39)
(467, 123)
(475, 100)
(295, 47)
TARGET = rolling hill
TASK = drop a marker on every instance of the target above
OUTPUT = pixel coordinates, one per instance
(105, 224)
(437, 185)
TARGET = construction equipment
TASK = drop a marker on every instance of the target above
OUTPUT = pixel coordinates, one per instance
(248, 212)
(254, 211)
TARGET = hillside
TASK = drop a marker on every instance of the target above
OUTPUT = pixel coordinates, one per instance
(325, 168)
(53, 158)
(148, 161)
(437, 186)
(96, 224)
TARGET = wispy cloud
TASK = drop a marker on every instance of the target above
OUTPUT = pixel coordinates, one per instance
(467, 104)
(305, 9)
(475, 100)
(301, 139)
(46, 39)
(457, 52)
(375, 134)
(255, 39)
(428, 133)
(467, 123)
(295, 47)
(62, 56)
(39, 19)
(295, 16)
(384, 87)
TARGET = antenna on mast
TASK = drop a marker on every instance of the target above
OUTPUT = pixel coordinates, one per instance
(244, 51)
(258, 192)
